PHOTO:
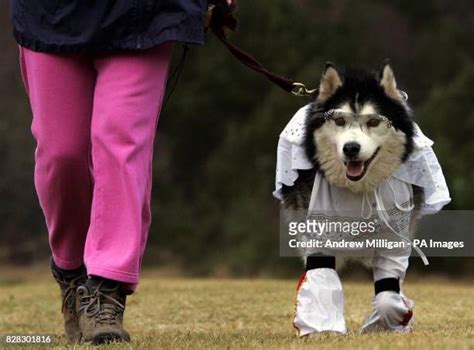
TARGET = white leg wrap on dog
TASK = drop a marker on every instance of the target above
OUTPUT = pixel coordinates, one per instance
(319, 303)
(391, 311)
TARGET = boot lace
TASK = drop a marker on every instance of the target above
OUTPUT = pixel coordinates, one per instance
(103, 307)
(69, 287)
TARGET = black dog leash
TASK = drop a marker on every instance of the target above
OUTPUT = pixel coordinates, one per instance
(173, 78)
(222, 17)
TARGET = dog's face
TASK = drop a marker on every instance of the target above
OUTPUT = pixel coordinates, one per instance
(359, 129)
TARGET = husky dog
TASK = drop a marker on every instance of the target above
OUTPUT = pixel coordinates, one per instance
(356, 148)
(357, 155)
(357, 133)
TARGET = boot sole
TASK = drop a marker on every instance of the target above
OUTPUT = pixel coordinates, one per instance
(107, 338)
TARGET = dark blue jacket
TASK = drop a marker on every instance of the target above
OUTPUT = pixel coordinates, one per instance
(102, 25)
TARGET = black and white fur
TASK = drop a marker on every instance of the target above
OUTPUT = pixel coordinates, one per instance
(358, 91)
(353, 150)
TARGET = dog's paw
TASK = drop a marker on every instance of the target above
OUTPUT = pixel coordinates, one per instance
(391, 311)
(319, 303)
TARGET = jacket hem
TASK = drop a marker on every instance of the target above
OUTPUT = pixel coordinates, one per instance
(35, 44)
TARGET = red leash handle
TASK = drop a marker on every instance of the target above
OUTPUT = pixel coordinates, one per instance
(222, 17)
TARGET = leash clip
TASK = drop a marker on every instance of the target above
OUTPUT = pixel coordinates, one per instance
(300, 90)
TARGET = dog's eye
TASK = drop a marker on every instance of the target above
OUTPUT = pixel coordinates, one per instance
(340, 121)
(372, 123)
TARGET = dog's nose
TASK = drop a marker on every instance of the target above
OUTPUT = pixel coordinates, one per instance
(351, 149)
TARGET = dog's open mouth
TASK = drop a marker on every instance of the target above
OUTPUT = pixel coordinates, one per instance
(356, 169)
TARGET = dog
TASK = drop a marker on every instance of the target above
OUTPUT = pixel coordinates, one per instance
(357, 157)
(357, 133)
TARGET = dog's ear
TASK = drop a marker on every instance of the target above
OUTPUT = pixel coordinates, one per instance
(388, 82)
(330, 82)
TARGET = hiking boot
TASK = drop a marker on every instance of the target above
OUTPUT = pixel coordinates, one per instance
(100, 304)
(68, 281)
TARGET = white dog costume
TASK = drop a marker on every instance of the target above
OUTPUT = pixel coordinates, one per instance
(319, 303)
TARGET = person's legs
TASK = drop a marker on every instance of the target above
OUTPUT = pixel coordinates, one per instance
(127, 100)
(60, 89)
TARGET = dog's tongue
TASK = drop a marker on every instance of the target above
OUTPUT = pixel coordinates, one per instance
(355, 169)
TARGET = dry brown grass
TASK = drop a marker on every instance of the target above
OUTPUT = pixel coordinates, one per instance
(184, 313)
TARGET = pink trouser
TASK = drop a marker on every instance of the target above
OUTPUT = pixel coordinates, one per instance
(94, 120)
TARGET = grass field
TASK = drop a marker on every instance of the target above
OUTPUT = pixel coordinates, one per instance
(179, 313)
